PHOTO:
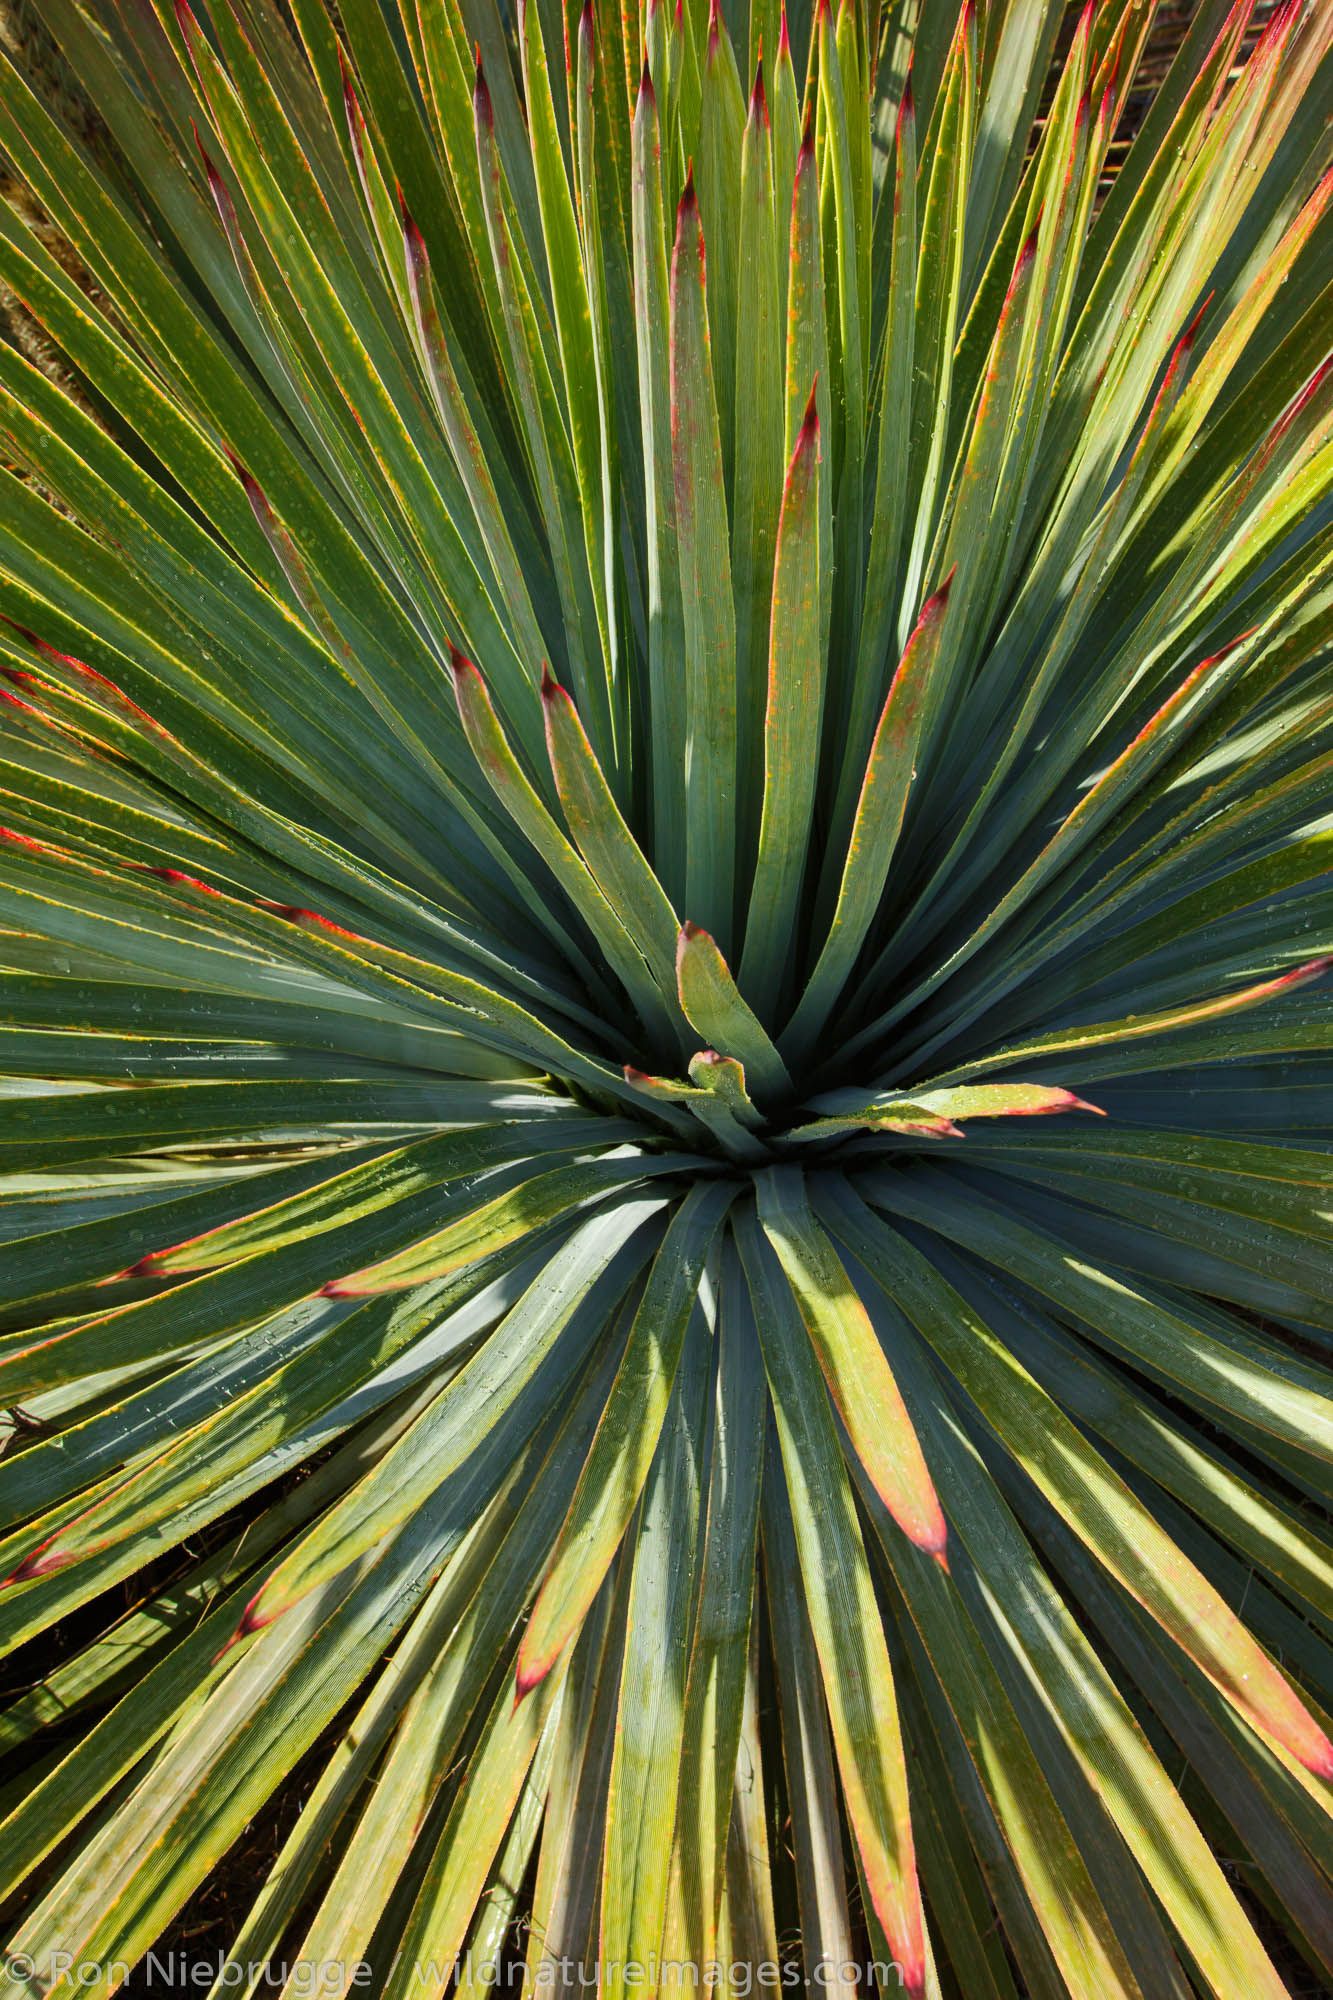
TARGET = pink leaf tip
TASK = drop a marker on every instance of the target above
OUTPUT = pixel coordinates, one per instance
(1319, 1760)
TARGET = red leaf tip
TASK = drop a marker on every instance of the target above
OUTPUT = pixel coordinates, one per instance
(215, 183)
(252, 1620)
(550, 685)
(935, 605)
(254, 492)
(912, 1974)
(647, 95)
(758, 96)
(808, 436)
(408, 220)
(526, 1678)
(40, 1562)
(481, 95)
(1188, 337)
(351, 102)
(784, 39)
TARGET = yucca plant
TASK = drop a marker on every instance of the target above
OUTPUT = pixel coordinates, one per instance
(607, 687)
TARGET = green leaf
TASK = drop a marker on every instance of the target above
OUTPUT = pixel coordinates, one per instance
(713, 1005)
(889, 773)
(807, 1753)
(522, 802)
(622, 1452)
(645, 1765)
(706, 589)
(1087, 1493)
(471, 1406)
(1098, 1035)
(793, 717)
(613, 857)
(664, 610)
(1240, 1374)
(758, 447)
(715, 1689)
(860, 1380)
(854, 1662)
